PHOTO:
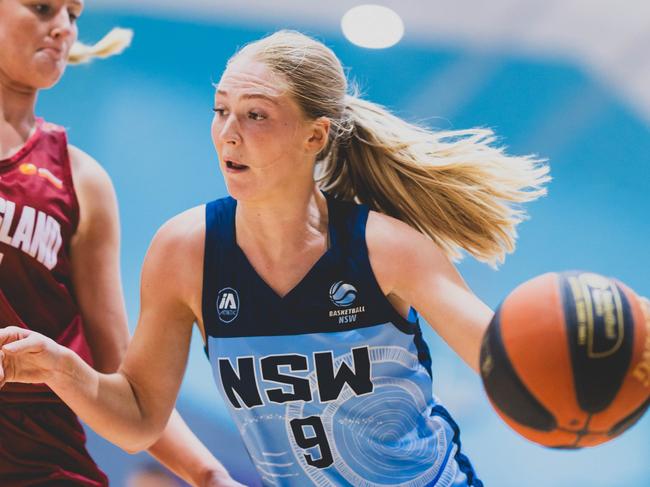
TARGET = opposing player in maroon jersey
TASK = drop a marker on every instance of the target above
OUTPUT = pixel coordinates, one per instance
(59, 259)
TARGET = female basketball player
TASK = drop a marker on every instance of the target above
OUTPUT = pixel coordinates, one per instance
(304, 298)
(59, 257)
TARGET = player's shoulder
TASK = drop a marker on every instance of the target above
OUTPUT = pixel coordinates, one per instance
(174, 259)
(87, 172)
(387, 234)
(184, 232)
(398, 251)
(82, 161)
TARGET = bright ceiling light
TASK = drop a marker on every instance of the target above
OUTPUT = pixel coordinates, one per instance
(372, 26)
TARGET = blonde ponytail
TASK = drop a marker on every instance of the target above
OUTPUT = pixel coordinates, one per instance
(454, 186)
(457, 187)
(112, 43)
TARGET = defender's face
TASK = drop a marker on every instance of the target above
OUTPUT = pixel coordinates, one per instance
(36, 37)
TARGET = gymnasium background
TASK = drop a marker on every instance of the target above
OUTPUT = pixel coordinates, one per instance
(567, 80)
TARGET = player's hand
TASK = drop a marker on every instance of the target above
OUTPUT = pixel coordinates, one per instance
(27, 356)
(645, 307)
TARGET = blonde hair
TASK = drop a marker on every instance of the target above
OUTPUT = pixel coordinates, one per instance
(457, 187)
(112, 43)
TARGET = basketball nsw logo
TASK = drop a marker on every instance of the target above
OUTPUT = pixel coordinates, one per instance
(343, 296)
(227, 304)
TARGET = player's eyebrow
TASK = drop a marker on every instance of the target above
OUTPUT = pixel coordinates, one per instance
(248, 96)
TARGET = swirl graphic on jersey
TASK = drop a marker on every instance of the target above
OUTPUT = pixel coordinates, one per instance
(388, 437)
(342, 294)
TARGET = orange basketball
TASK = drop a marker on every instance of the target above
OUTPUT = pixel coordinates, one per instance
(566, 359)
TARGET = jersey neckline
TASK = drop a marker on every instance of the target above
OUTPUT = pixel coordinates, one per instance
(319, 263)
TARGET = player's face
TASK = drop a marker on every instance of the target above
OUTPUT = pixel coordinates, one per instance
(36, 36)
(260, 133)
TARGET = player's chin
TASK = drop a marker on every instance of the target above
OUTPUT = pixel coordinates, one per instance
(240, 189)
(47, 73)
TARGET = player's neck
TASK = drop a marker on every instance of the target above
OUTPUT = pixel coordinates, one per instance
(17, 120)
(283, 226)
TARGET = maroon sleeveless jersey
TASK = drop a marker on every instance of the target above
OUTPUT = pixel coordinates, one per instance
(39, 214)
(41, 440)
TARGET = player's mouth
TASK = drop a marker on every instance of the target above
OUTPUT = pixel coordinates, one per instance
(235, 167)
(53, 52)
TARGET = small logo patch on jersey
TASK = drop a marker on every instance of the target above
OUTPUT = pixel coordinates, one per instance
(342, 294)
(227, 304)
(29, 169)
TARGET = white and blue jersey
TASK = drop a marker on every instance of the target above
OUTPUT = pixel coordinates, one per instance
(328, 385)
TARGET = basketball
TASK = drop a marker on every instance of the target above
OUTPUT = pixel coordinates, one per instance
(565, 360)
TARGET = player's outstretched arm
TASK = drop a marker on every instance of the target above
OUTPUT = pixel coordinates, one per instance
(414, 271)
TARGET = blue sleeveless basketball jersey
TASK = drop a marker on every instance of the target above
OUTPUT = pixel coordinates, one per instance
(328, 385)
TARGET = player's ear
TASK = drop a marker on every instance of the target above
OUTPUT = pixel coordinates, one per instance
(318, 133)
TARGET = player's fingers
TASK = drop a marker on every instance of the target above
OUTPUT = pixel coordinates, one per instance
(12, 333)
(30, 343)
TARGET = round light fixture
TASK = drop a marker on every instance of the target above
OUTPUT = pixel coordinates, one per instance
(372, 26)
